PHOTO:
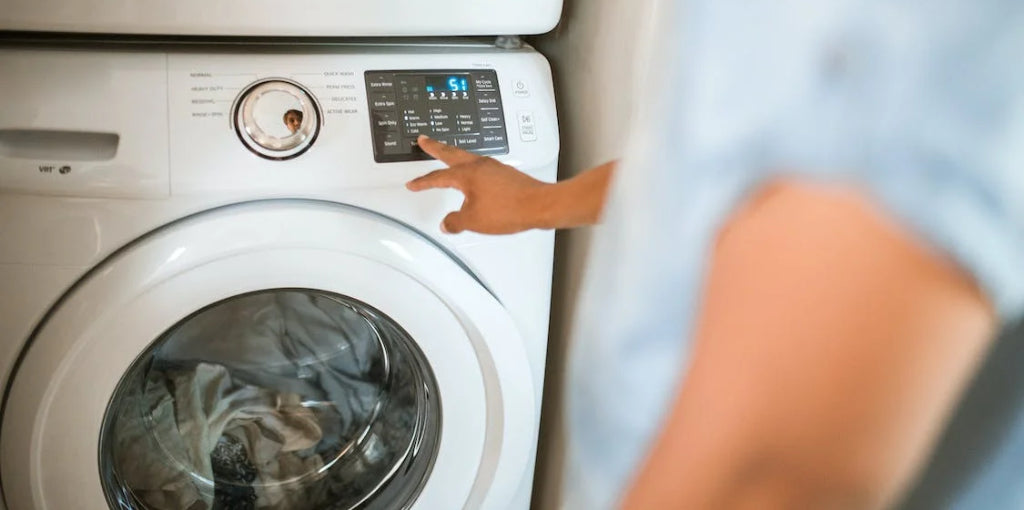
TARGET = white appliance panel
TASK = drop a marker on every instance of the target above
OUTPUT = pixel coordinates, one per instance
(83, 123)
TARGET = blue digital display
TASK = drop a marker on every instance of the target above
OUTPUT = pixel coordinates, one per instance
(451, 83)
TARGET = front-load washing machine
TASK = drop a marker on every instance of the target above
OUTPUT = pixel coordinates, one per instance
(215, 291)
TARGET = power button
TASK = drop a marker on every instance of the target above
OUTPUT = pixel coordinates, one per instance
(520, 89)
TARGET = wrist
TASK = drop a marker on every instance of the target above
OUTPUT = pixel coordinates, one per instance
(545, 203)
(570, 203)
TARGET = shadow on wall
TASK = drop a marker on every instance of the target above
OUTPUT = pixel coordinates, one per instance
(980, 424)
(592, 57)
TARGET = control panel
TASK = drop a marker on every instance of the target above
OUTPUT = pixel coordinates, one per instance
(458, 107)
(284, 123)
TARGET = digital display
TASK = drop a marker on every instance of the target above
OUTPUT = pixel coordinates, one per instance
(451, 83)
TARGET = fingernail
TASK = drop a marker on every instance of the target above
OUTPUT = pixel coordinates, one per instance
(444, 229)
(422, 137)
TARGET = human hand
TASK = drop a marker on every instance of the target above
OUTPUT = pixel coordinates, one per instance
(498, 198)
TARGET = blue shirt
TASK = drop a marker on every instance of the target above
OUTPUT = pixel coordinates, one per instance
(919, 102)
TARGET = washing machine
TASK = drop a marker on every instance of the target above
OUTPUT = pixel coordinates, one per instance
(215, 290)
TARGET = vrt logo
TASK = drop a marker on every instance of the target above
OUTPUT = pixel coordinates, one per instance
(48, 169)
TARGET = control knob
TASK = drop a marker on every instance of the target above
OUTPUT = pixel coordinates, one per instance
(276, 118)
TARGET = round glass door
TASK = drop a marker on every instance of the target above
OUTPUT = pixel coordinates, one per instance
(281, 354)
(279, 399)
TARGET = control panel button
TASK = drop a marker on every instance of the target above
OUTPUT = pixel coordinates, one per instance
(385, 121)
(491, 118)
(382, 101)
(276, 119)
(485, 82)
(494, 138)
(487, 99)
(520, 89)
(391, 144)
(527, 127)
(411, 145)
(468, 142)
(382, 82)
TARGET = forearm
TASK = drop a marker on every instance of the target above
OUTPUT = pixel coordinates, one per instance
(577, 201)
(830, 348)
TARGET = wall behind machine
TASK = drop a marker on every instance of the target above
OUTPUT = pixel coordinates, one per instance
(593, 55)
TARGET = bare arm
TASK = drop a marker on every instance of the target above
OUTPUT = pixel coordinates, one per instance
(830, 349)
(503, 200)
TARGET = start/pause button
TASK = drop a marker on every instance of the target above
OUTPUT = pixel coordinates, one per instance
(527, 127)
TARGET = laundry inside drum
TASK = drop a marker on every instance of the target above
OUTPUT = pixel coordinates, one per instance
(279, 399)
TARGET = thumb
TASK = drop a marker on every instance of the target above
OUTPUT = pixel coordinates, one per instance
(453, 223)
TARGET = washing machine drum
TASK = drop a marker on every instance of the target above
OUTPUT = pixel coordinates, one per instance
(276, 399)
(276, 355)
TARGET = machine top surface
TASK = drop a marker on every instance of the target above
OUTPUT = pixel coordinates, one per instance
(274, 19)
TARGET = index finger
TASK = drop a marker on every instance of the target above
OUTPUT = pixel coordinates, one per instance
(444, 178)
(451, 156)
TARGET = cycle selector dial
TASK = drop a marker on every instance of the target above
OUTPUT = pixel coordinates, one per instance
(277, 118)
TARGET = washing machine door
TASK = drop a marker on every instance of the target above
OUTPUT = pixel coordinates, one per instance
(279, 354)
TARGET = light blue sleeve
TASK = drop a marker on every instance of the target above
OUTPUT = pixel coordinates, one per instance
(921, 102)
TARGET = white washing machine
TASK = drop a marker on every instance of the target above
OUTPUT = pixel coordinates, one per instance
(215, 291)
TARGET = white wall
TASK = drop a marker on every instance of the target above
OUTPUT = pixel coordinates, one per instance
(592, 57)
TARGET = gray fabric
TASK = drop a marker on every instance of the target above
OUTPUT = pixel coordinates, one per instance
(159, 484)
(289, 342)
(290, 378)
(204, 407)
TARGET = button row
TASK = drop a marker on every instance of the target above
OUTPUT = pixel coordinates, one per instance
(437, 121)
(461, 130)
(445, 95)
(488, 139)
(393, 144)
(386, 82)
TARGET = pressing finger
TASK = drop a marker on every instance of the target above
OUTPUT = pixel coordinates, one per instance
(444, 178)
(451, 156)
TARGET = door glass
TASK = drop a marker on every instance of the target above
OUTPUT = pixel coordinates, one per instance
(280, 399)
